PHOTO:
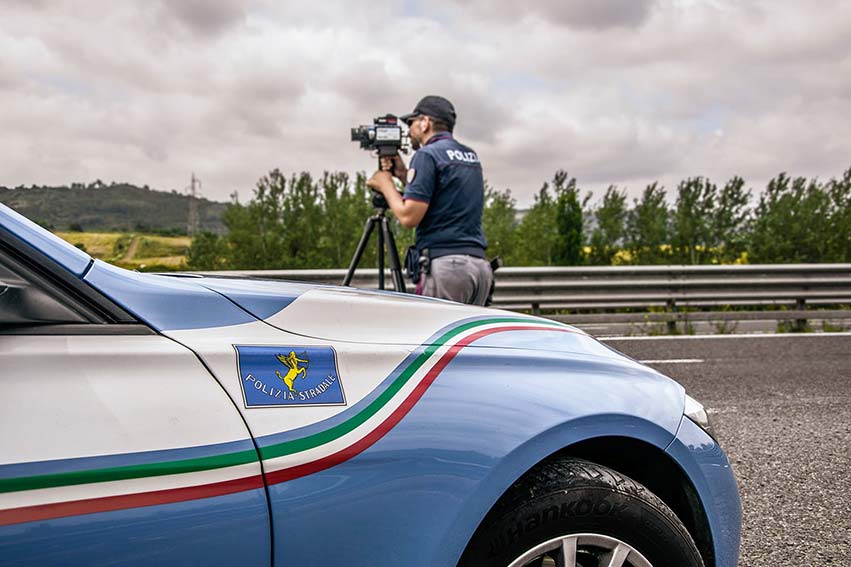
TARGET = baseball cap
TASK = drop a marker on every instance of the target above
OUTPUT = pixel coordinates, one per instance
(435, 106)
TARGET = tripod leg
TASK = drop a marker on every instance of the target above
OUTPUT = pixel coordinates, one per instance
(383, 221)
(393, 252)
(364, 240)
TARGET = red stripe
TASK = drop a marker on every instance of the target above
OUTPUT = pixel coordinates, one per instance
(168, 496)
(358, 447)
(124, 501)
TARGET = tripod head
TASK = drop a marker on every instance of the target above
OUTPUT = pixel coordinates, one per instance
(379, 203)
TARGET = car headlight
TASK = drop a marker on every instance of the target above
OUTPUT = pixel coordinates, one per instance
(695, 411)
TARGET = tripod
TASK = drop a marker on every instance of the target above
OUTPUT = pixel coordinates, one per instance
(385, 239)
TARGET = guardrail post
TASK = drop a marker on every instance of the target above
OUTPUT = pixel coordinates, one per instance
(800, 324)
(672, 323)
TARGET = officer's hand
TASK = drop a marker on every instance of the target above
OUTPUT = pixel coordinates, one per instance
(381, 181)
(395, 166)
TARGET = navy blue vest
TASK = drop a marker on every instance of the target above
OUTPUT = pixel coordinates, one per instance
(448, 176)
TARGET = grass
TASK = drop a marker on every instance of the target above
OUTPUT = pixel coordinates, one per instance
(830, 327)
(793, 326)
(135, 251)
(98, 244)
(163, 246)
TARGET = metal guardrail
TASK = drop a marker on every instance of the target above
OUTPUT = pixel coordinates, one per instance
(662, 293)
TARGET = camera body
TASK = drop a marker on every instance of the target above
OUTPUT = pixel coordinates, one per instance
(383, 136)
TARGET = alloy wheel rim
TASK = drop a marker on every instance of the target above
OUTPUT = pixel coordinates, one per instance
(582, 550)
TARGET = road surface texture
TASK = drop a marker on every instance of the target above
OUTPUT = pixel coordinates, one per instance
(781, 408)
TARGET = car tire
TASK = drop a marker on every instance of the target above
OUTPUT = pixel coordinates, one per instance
(568, 510)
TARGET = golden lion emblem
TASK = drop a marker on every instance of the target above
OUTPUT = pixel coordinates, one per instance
(291, 361)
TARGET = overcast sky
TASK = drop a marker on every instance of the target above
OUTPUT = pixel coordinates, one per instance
(614, 91)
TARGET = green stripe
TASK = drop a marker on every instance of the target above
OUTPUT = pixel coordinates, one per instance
(128, 472)
(323, 437)
(250, 456)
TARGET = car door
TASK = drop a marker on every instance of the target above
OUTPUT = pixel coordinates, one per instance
(117, 445)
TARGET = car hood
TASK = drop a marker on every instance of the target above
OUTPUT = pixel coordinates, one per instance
(172, 302)
(343, 314)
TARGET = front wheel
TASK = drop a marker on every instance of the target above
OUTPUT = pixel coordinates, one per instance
(573, 513)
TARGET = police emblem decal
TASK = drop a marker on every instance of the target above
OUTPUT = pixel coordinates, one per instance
(412, 173)
(284, 376)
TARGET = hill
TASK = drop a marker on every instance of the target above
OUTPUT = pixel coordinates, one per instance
(117, 207)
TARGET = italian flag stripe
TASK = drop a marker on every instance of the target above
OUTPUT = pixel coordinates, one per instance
(323, 437)
(124, 501)
(128, 472)
(314, 442)
(368, 440)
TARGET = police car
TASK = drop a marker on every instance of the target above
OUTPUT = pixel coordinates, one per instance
(175, 419)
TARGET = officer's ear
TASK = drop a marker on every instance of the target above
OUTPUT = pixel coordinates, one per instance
(426, 125)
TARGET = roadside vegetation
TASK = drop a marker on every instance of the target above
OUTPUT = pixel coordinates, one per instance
(304, 222)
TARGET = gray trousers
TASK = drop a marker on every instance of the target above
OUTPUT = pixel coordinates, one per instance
(458, 277)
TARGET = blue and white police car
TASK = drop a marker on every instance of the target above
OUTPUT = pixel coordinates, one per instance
(174, 420)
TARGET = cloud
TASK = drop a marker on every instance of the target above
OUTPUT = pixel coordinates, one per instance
(601, 14)
(206, 18)
(615, 91)
(576, 14)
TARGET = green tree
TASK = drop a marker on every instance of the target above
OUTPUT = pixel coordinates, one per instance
(332, 246)
(607, 238)
(297, 222)
(568, 220)
(647, 227)
(692, 239)
(731, 221)
(791, 223)
(254, 230)
(839, 243)
(537, 234)
(208, 251)
(302, 224)
(500, 225)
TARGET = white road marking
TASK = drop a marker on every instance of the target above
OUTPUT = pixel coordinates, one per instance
(673, 361)
(739, 336)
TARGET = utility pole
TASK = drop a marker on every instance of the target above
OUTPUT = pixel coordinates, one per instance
(192, 223)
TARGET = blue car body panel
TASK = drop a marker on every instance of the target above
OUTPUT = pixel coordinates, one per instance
(261, 298)
(168, 302)
(709, 470)
(164, 302)
(134, 536)
(68, 257)
(421, 491)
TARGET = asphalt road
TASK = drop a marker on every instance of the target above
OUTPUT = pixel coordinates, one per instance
(781, 408)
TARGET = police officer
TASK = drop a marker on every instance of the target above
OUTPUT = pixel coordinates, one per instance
(443, 199)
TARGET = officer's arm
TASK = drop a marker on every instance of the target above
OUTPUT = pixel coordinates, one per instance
(410, 212)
